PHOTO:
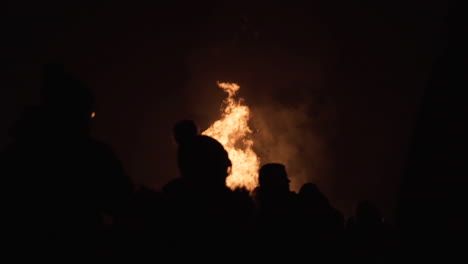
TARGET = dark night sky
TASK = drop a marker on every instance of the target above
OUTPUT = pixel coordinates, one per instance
(343, 80)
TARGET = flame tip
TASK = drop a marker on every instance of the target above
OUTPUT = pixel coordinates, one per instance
(230, 130)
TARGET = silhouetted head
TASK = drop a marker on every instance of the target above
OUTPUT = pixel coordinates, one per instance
(184, 130)
(203, 157)
(367, 213)
(309, 189)
(311, 193)
(273, 176)
(66, 97)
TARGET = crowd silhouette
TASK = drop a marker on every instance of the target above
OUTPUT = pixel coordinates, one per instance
(76, 198)
(73, 187)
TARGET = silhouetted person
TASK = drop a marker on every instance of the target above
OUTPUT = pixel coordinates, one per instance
(184, 130)
(277, 210)
(321, 224)
(143, 222)
(273, 195)
(430, 214)
(369, 238)
(69, 187)
(202, 212)
(325, 220)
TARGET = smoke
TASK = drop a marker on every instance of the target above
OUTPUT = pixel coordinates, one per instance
(292, 106)
(291, 135)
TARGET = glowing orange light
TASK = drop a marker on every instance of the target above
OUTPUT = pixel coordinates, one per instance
(233, 131)
(93, 114)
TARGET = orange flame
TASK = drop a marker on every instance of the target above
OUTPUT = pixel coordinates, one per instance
(233, 131)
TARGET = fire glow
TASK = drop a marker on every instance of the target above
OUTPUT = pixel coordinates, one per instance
(233, 132)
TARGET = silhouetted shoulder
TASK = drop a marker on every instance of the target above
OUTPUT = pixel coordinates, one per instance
(243, 199)
(108, 171)
(242, 194)
(178, 185)
(102, 152)
(100, 146)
